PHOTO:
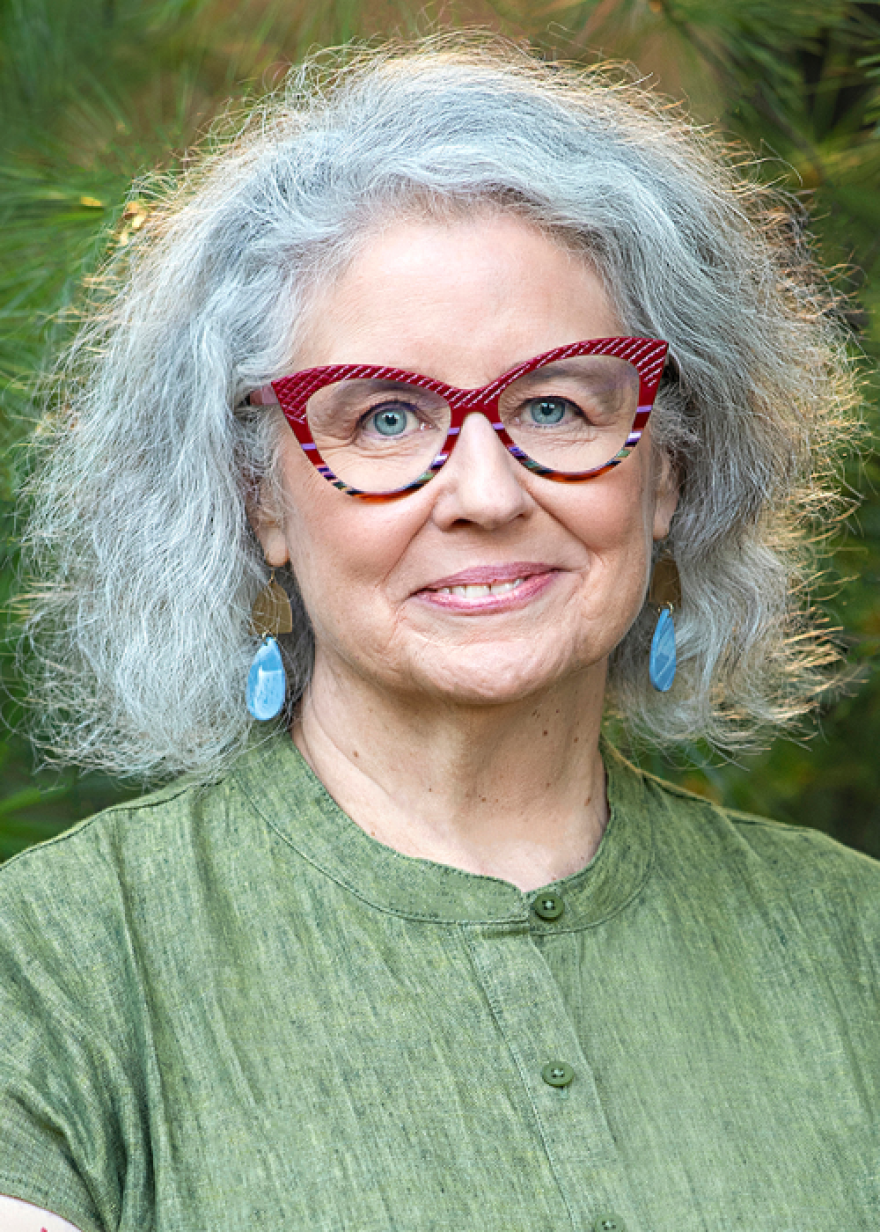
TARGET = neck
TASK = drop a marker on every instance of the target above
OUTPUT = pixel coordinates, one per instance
(514, 791)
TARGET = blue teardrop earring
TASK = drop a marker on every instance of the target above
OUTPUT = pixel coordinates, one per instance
(665, 593)
(267, 681)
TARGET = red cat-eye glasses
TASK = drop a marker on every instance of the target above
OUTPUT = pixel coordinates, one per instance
(568, 415)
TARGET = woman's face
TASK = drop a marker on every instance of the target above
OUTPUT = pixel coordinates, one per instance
(464, 302)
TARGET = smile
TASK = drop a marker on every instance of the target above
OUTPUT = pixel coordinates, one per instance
(480, 592)
(480, 596)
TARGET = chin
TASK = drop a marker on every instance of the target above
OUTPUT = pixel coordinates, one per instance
(479, 675)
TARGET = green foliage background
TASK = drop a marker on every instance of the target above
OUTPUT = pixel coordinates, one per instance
(94, 92)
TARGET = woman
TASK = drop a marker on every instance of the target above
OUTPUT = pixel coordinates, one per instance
(457, 351)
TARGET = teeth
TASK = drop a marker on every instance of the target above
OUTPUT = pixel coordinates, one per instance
(481, 592)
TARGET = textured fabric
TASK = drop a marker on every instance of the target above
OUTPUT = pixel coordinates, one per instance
(231, 1010)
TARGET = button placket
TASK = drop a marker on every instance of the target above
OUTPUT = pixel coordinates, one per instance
(535, 1025)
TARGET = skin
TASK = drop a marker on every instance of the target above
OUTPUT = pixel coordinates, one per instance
(454, 733)
(18, 1216)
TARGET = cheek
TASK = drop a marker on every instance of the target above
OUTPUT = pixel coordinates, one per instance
(614, 524)
(316, 531)
(341, 549)
(614, 517)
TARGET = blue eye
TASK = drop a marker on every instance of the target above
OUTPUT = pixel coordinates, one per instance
(390, 421)
(548, 411)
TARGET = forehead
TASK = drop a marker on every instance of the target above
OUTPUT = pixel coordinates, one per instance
(460, 300)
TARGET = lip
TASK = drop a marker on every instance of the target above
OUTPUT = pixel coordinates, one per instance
(485, 575)
(536, 579)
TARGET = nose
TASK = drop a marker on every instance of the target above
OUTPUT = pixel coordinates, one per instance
(480, 483)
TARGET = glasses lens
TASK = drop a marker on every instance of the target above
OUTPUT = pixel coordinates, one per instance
(377, 436)
(572, 415)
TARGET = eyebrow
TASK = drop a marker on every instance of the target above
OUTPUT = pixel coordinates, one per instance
(352, 390)
(568, 368)
(559, 367)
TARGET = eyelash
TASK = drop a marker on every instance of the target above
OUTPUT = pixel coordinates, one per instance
(557, 398)
(387, 405)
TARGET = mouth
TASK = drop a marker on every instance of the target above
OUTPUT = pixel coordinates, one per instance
(490, 588)
(479, 591)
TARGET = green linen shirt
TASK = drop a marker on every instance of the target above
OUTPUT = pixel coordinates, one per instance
(229, 1009)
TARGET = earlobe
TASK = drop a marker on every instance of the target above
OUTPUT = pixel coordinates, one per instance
(268, 525)
(667, 490)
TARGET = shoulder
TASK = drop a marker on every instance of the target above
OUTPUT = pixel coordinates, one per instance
(126, 837)
(777, 844)
(747, 866)
(77, 868)
(67, 905)
(146, 860)
(793, 852)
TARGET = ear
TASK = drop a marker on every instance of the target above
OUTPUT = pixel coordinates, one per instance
(667, 489)
(267, 523)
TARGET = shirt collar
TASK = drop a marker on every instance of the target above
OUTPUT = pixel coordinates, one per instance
(288, 796)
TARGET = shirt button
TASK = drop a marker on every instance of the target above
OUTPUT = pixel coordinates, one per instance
(548, 906)
(557, 1074)
(608, 1223)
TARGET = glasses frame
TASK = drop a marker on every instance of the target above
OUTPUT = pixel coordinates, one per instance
(292, 393)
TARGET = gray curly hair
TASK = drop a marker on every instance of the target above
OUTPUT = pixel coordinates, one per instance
(138, 531)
